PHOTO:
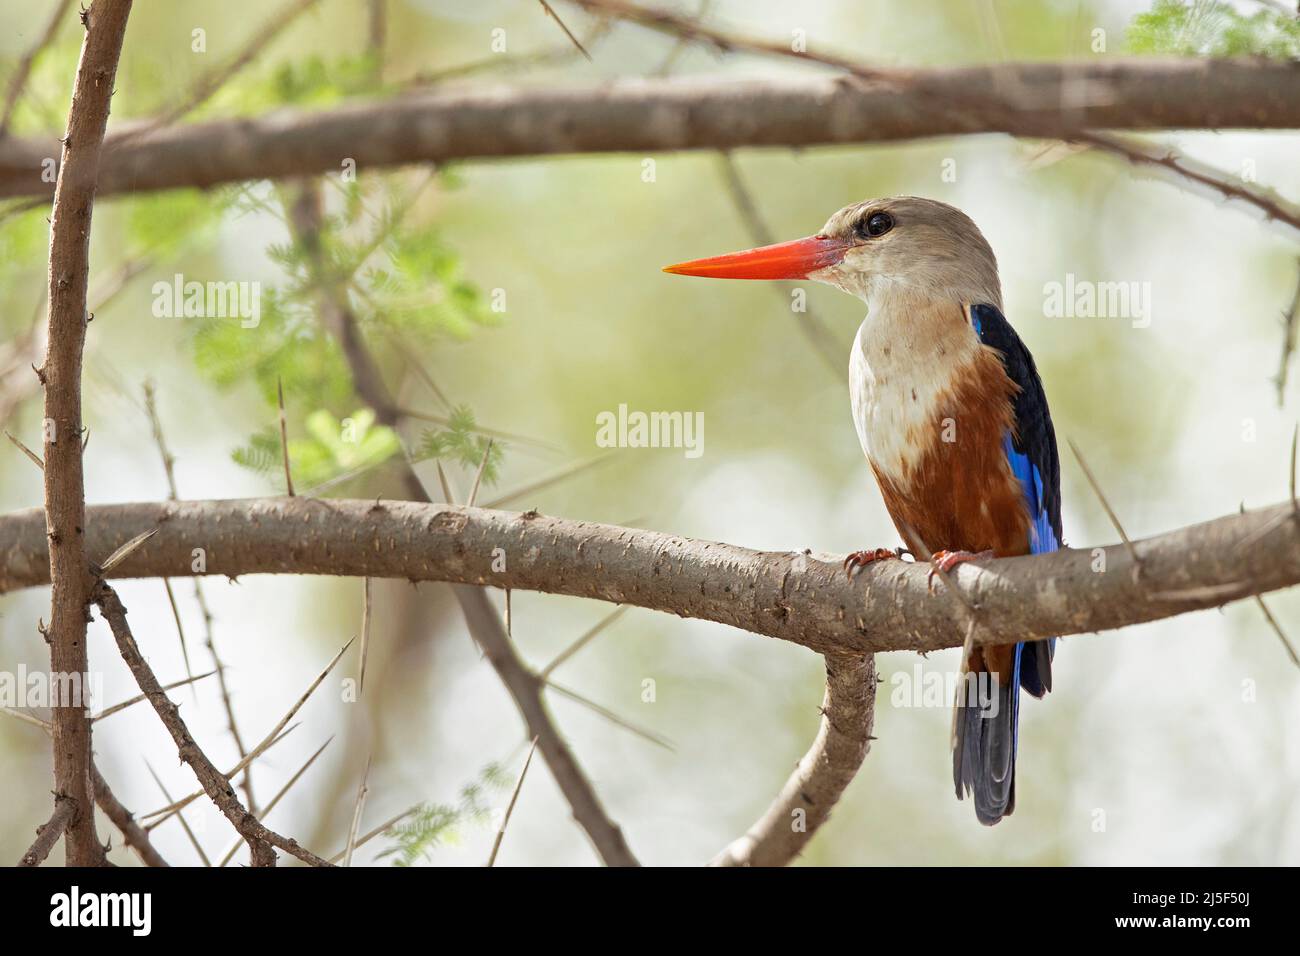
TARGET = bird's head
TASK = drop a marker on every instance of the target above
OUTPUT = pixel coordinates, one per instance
(920, 247)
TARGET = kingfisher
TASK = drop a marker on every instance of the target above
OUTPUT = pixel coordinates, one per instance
(951, 414)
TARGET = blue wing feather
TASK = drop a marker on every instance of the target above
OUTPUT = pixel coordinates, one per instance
(981, 763)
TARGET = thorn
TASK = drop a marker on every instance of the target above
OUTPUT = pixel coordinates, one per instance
(40, 373)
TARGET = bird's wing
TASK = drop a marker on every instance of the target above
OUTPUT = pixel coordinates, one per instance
(1031, 452)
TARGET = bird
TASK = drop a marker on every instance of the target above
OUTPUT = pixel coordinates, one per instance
(953, 419)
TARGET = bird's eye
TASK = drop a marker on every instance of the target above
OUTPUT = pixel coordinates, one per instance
(877, 224)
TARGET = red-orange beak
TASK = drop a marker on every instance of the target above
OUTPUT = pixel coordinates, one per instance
(784, 260)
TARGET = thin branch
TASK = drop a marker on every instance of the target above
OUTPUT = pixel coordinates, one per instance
(134, 835)
(65, 492)
(209, 83)
(48, 833)
(657, 739)
(31, 455)
(279, 795)
(273, 737)
(1101, 496)
(140, 698)
(185, 824)
(365, 636)
(1290, 318)
(478, 475)
(260, 840)
(357, 809)
(510, 807)
(18, 81)
(1277, 629)
(550, 12)
(1271, 206)
(587, 637)
(173, 494)
(284, 438)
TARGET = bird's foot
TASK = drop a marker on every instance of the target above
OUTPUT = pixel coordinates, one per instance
(857, 560)
(945, 561)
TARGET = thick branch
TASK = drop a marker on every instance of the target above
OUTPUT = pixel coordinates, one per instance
(65, 502)
(820, 778)
(788, 595)
(658, 115)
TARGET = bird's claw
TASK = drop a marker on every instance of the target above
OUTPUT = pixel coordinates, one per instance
(857, 560)
(945, 561)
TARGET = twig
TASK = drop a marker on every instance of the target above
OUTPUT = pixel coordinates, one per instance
(365, 635)
(1272, 207)
(567, 32)
(1290, 317)
(173, 494)
(587, 637)
(510, 807)
(24, 69)
(209, 83)
(1277, 629)
(260, 840)
(284, 437)
(613, 718)
(134, 835)
(266, 741)
(65, 493)
(48, 833)
(279, 795)
(547, 481)
(180, 630)
(356, 814)
(478, 475)
(131, 702)
(1110, 512)
(185, 824)
(383, 827)
(35, 458)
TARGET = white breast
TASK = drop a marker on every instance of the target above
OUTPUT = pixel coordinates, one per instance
(899, 371)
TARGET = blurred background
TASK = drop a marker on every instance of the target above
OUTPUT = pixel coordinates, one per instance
(529, 293)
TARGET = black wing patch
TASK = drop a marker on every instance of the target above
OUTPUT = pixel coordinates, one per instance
(1035, 439)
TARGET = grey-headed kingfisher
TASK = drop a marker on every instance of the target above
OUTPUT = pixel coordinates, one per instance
(952, 417)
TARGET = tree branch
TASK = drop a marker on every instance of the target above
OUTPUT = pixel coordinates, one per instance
(792, 596)
(65, 502)
(260, 839)
(820, 778)
(657, 115)
(48, 833)
(134, 835)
